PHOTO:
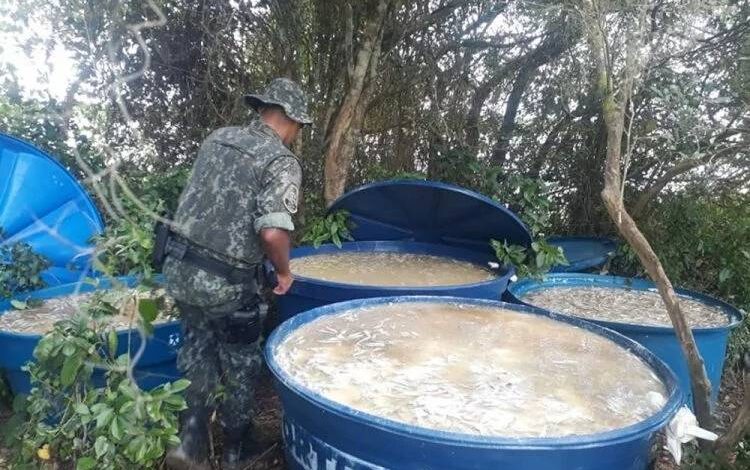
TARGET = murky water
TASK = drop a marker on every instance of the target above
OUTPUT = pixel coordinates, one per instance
(622, 306)
(389, 269)
(41, 319)
(475, 370)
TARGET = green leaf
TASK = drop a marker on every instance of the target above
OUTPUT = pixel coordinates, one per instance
(18, 305)
(100, 446)
(142, 449)
(115, 429)
(112, 342)
(127, 389)
(176, 401)
(725, 274)
(98, 407)
(148, 310)
(81, 409)
(180, 385)
(540, 260)
(70, 369)
(85, 463)
(104, 417)
(69, 349)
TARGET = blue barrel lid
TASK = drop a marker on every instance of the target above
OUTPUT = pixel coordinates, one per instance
(430, 212)
(583, 253)
(43, 205)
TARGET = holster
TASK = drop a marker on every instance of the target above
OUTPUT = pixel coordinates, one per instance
(269, 275)
(243, 326)
(161, 239)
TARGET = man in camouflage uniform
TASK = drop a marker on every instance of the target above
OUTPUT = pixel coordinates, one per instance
(236, 209)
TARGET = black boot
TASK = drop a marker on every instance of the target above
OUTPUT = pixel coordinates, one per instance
(192, 453)
(240, 449)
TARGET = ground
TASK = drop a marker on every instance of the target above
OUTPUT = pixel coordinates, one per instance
(269, 425)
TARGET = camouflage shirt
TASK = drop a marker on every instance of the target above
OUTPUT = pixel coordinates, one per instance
(244, 180)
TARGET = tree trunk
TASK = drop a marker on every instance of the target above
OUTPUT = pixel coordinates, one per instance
(614, 118)
(558, 41)
(403, 147)
(338, 148)
(500, 150)
(612, 196)
(477, 103)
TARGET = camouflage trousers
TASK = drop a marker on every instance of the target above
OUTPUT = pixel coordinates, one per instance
(221, 356)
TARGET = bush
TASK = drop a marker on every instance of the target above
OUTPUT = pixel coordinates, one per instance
(67, 419)
(703, 242)
(20, 269)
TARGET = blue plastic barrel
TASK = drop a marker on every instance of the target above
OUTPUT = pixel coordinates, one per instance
(583, 253)
(661, 340)
(321, 434)
(43, 205)
(307, 293)
(156, 366)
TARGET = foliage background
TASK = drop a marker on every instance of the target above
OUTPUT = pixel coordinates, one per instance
(497, 96)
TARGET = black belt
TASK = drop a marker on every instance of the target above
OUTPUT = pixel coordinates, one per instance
(181, 250)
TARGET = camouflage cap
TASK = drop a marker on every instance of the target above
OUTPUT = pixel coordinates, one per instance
(285, 93)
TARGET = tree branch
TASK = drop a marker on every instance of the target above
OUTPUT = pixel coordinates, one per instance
(681, 167)
(422, 22)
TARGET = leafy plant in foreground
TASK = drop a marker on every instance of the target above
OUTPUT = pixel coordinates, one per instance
(332, 227)
(20, 269)
(76, 416)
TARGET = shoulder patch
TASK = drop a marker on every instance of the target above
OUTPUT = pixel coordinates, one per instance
(291, 198)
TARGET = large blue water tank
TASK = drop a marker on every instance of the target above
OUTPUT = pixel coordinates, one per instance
(43, 205)
(156, 366)
(661, 340)
(583, 253)
(420, 217)
(307, 293)
(322, 434)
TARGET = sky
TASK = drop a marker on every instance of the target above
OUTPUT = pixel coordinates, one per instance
(40, 73)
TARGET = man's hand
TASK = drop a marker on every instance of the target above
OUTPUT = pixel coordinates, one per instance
(284, 283)
(276, 244)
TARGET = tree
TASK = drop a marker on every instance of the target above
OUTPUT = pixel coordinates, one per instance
(616, 80)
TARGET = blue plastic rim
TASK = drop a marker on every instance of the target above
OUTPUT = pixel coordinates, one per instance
(430, 212)
(583, 253)
(661, 340)
(307, 293)
(43, 205)
(349, 435)
(157, 365)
